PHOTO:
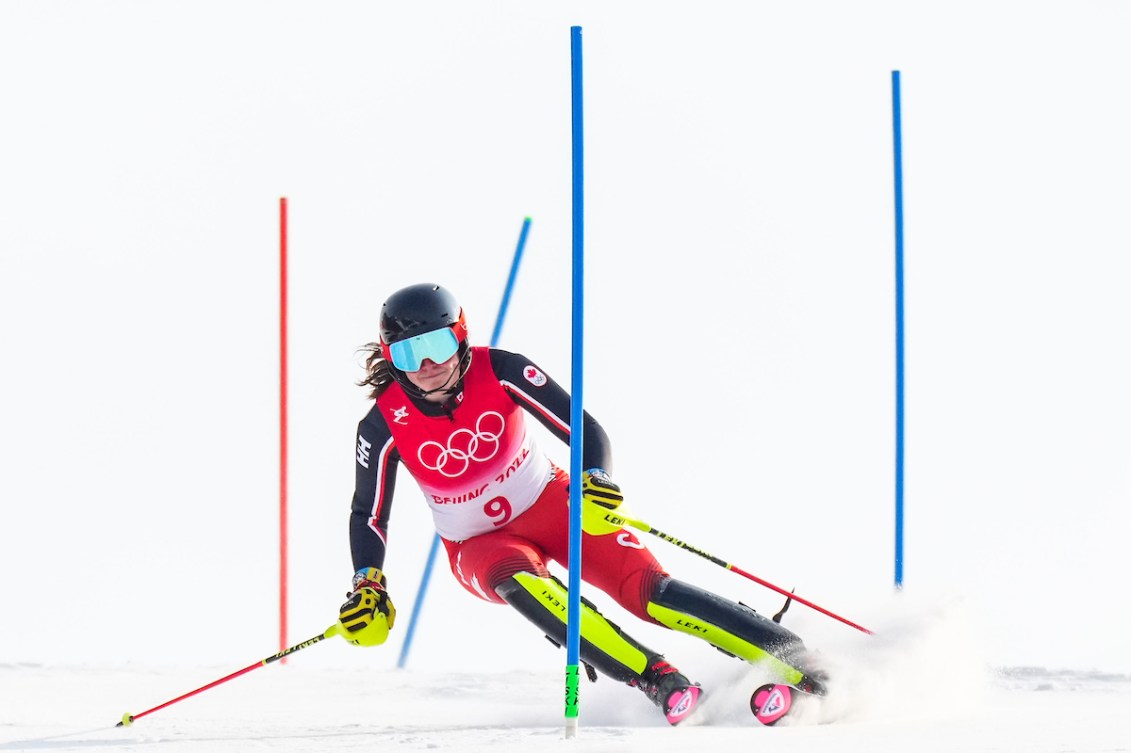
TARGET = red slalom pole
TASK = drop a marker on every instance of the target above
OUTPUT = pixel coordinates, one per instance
(128, 718)
(642, 526)
(283, 586)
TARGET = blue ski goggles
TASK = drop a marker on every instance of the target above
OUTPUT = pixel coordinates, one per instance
(438, 346)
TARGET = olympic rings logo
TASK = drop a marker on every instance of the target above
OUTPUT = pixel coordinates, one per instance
(464, 446)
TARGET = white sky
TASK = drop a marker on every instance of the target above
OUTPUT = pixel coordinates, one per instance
(740, 320)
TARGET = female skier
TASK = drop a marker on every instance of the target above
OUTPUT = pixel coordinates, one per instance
(454, 415)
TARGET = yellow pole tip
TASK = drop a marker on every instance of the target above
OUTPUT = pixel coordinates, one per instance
(127, 720)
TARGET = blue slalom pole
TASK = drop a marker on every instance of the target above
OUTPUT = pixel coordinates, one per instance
(899, 328)
(427, 576)
(576, 413)
(506, 302)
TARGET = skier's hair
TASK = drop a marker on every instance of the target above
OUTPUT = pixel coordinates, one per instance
(378, 374)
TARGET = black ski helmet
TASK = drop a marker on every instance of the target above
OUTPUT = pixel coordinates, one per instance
(418, 309)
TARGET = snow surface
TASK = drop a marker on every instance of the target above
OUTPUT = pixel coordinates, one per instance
(739, 241)
(919, 688)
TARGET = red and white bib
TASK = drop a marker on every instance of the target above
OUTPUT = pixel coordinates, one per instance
(478, 471)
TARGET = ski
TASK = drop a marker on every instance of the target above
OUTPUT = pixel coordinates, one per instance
(770, 703)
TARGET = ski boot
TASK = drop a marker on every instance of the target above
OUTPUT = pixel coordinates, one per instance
(669, 689)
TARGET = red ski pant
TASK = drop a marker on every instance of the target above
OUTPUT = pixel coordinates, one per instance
(617, 563)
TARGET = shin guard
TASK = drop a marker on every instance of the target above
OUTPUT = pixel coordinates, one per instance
(733, 628)
(544, 601)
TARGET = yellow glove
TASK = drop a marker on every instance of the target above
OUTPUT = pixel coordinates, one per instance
(599, 495)
(368, 613)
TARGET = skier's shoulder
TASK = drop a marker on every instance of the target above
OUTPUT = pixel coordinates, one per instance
(500, 358)
(512, 367)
